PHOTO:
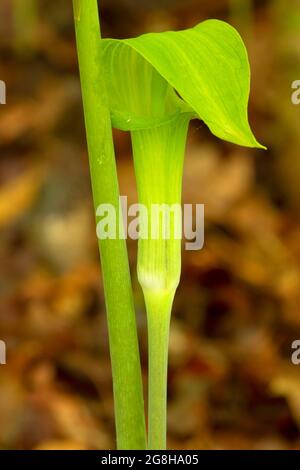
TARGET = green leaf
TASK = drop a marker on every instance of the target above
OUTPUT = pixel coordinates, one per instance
(203, 71)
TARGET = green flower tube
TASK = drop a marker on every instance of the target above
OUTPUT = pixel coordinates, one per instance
(158, 161)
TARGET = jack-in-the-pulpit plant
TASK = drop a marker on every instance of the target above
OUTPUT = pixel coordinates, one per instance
(153, 86)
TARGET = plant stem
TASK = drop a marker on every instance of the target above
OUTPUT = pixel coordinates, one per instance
(127, 382)
(158, 313)
(158, 160)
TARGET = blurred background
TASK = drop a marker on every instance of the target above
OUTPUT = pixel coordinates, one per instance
(232, 384)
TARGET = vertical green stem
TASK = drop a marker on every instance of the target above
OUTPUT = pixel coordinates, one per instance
(128, 396)
(159, 313)
(158, 159)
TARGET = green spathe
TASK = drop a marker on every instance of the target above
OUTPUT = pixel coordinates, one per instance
(207, 66)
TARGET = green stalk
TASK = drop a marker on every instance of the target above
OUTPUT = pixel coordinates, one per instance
(159, 309)
(127, 382)
(158, 159)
